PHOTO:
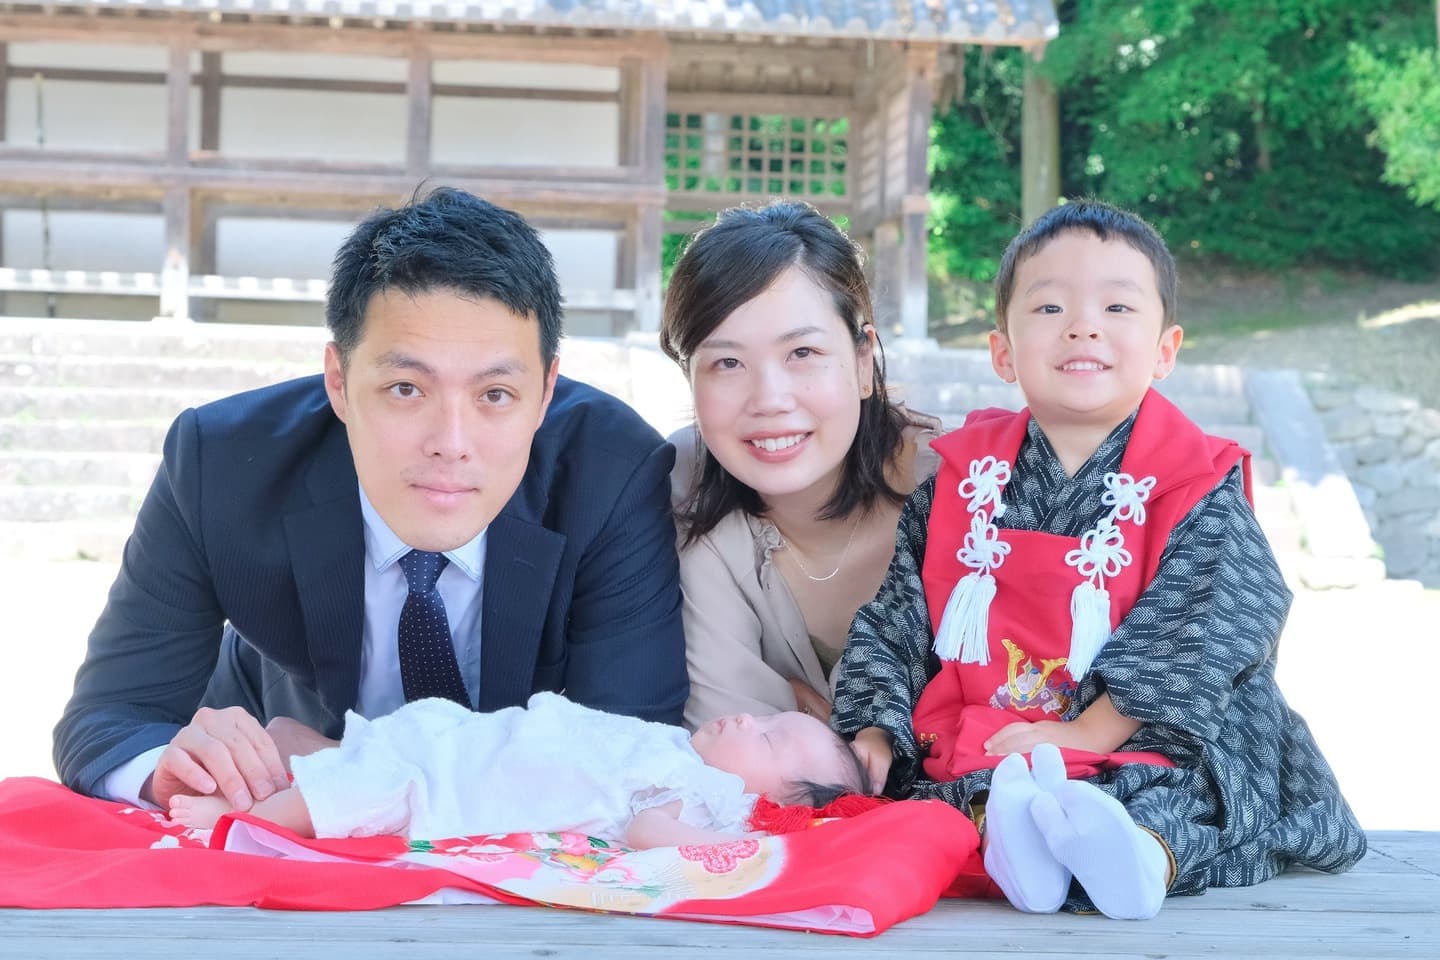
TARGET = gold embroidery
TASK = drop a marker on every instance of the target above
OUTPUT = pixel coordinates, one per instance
(1028, 687)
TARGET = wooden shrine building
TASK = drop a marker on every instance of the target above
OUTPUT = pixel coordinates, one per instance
(201, 158)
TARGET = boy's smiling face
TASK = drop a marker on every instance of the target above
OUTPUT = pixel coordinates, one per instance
(1085, 334)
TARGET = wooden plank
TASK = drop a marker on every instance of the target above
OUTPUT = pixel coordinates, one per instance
(1039, 143)
(210, 81)
(4, 89)
(83, 174)
(177, 96)
(420, 107)
(354, 38)
(175, 274)
(652, 109)
(648, 236)
(829, 107)
(914, 238)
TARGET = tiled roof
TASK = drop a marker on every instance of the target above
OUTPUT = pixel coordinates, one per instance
(957, 21)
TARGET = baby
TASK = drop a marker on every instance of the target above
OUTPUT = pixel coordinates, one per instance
(435, 769)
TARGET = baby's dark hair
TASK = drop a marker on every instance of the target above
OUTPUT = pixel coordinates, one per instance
(1102, 220)
(811, 793)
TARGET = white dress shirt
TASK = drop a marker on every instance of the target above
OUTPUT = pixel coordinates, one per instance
(461, 586)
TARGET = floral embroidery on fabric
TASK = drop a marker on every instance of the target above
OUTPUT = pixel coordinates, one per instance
(721, 857)
(1030, 687)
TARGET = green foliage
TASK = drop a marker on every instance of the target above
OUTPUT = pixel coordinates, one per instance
(1241, 128)
(975, 169)
(1404, 98)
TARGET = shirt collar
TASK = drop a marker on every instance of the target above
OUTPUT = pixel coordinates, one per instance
(385, 549)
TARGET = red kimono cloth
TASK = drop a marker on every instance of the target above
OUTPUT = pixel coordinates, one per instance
(1027, 677)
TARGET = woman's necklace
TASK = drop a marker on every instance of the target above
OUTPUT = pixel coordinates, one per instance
(839, 562)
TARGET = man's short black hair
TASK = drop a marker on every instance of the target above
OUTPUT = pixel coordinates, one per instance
(449, 240)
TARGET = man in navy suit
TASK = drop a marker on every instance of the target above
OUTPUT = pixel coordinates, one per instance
(276, 533)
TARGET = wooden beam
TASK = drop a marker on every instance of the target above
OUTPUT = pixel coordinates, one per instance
(81, 173)
(914, 294)
(648, 247)
(1039, 143)
(177, 95)
(4, 90)
(175, 275)
(421, 107)
(652, 109)
(750, 103)
(321, 37)
(210, 82)
(325, 84)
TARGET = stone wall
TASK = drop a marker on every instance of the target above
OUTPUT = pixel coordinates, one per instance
(1389, 446)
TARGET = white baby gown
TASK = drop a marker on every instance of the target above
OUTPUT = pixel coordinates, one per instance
(433, 769)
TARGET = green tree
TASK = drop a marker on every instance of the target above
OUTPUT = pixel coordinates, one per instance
(1236, 126)
(1403, 96)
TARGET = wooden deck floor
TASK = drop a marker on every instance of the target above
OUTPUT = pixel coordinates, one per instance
(1388, 906)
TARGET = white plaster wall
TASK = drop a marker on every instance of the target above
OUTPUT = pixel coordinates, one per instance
(357, 127)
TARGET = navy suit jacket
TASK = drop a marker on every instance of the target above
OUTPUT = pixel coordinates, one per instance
(252, 532)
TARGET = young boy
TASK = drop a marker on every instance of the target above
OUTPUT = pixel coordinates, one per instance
(1083, 575)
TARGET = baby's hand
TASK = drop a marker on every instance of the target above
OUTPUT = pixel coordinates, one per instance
(873, 746)
(1023, 737)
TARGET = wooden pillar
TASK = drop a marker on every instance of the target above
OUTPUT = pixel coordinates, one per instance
(210, 101)
(647, 135)
(1039, 142)
(915, 205)
(175, 275)
(649, 229)
(419, 90)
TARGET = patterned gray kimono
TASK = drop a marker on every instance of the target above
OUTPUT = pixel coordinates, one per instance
(1194, 661)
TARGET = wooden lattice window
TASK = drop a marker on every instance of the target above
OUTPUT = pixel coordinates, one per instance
(757, 155)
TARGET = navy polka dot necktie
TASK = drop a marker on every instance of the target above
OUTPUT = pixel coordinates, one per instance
(427, 657)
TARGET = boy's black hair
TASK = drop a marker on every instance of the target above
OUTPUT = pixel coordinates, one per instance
(733, 261)
(449, 240)
(1105, 221)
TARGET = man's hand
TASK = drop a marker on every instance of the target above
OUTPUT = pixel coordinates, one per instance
(876, 752)
(224, 751)
(808, 701)
(294, 739)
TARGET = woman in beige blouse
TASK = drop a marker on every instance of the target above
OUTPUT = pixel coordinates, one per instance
(789, 486)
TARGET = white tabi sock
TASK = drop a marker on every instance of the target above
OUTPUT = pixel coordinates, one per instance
(1016, 855)
(1120, 866)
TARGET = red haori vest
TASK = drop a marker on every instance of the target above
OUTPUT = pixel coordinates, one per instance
(1026, 678)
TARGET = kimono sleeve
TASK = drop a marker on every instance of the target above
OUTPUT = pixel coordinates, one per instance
(1211, 618)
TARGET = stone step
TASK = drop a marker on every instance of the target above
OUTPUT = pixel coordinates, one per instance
(99, 404)
(65, 539)
(68, 502)
(129, 372)
(114, 338)
(75, 469)
(75, 436)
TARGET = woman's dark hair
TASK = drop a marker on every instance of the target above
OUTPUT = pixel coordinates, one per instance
(730, 263)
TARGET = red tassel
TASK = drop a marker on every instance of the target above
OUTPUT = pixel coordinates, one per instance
(770, 817)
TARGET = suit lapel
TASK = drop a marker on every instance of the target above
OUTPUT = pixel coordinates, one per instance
(326, 539)
(522, 559)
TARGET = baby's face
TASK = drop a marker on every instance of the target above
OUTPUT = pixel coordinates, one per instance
(770, 752)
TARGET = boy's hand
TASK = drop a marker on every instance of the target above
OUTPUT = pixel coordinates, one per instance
(218, 751)
(1022, 737)
(876, 752)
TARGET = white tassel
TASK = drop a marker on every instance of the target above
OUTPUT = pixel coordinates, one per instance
(1089, 627)
(965, 625)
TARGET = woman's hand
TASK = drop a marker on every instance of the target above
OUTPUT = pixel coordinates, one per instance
(808, 701)
(876, 752)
